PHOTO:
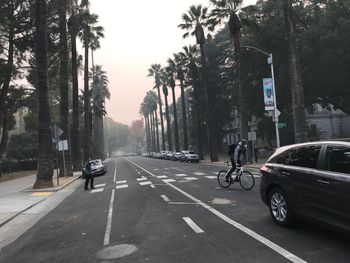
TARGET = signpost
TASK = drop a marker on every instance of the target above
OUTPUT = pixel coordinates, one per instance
(63, 146)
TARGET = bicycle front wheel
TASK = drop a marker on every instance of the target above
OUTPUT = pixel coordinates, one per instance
(246, 180)
(222, 180)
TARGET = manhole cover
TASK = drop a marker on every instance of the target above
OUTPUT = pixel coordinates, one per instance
(117, 251)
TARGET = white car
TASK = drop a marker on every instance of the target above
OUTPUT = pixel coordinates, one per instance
(189, 156)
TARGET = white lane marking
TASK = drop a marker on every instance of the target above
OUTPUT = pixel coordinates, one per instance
(166, 168)
(280, 250)
(211, 176)
(141, 179)
(181, 175)
(109, 221)
(169, 180)
(115, 171)
(165, 198)
(183, 203)
(162, 176)
(193, 225)
(190, 178)
(215, 173)
(199, 173)
(152, 186)
(96, 190)
(121, 186)
(100, 185)
(145, 183)
(121, 182)
(138, 173)
(155, 169)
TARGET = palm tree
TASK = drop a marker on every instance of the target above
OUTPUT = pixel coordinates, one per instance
(144, 112)
(74, 26)
(164, 80)
(99, 93)
(90, 30)
(224, 9)
(171, 71)
(45, 156)
(194, 23)
(64, 121)
(189, 56)
(155, 71)
(300, 128)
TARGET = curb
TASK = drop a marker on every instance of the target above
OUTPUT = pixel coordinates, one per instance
(50, 189)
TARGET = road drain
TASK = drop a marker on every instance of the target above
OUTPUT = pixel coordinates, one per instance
(117, 251)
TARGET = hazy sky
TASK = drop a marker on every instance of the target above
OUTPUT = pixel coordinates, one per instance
(137, 34)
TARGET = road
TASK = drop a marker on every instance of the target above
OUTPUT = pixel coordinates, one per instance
(146, 210)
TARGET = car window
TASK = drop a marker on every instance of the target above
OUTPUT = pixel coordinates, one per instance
(338, 159)
(282, 158)
(305, 156)
(191, 152)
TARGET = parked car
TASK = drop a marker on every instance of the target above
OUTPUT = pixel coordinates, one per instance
(189, 156)
(309, 180)
(175, 156)
(97, 168)
(168, 155)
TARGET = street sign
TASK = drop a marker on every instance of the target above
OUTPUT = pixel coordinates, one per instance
(63, 145)
(251, 136)
(282, 125)
(268, 94)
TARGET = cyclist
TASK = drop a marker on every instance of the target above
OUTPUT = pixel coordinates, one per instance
(236, 152)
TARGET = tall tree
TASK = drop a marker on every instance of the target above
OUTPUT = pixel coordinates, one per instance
(171, 71)
(300, 128)
(164, 80)
(155, 71)
(45, 157)
(195, 22)
(64, 120)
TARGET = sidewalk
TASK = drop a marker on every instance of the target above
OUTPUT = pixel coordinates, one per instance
(17, 196)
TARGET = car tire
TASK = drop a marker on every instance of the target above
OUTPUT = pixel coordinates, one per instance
(279, 207)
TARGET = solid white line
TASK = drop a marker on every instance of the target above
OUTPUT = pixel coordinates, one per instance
(115, 171)
(280, 250)
(145, 183)
(193, 225)
(109, 221)
(121, 182)
(100, 185)
(181, 175)
(121, 186)
(198, 173)
(96, 190)
(165, 198)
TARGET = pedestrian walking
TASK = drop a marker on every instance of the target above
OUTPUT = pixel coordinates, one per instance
(256, 152)
(88, 176)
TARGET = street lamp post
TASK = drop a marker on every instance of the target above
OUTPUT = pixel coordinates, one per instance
(276, 112)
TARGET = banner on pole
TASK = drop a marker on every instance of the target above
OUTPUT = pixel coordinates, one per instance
(268, 94)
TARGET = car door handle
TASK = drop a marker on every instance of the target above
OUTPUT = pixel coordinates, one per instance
(285, 173)
(323, 182)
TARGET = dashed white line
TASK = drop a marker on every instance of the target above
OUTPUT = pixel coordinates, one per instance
(152, 186)
(199, 173)
(115, 171)
(211, 176)
(109, 221)
(181, 175)
(169, 180)
(145, 183)
(100, 185)
(96, 190)
(162, 176)
(121, 186)
(165, 198)
(193, 225)
(191, 178)
(141, 179)
(121, 182)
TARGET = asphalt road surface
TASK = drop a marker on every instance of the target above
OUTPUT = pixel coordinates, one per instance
(146, 210)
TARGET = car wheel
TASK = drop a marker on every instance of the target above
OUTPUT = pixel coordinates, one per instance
(279, 206)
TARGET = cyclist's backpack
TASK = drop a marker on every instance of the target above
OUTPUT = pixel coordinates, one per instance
(231, 149)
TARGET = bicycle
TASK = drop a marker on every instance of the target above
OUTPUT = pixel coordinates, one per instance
(245, 178)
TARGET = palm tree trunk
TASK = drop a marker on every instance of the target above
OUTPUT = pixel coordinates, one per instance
(197, 117)
(64, 122)
(76, 143)
(149, 146)
(176, 129)
(184, 116)
(161, 118)
(211, 144)
(300, 128)
(157, 132)
(170, 145)
(86, 103)
(45, 155)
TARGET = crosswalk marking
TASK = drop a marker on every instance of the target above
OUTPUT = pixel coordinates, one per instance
(96, 190)
(162, 176)
(121, 186)
(193, 225)
(190, 178)
(211, 176)
(145, 183)
(165, 198)
(181, 175)
(141, 179)
(199, 173)
(169, 180)
(121, 182)
(100, 185)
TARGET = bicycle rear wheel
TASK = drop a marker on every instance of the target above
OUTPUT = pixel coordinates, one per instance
(246, 180)
(222, 180)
